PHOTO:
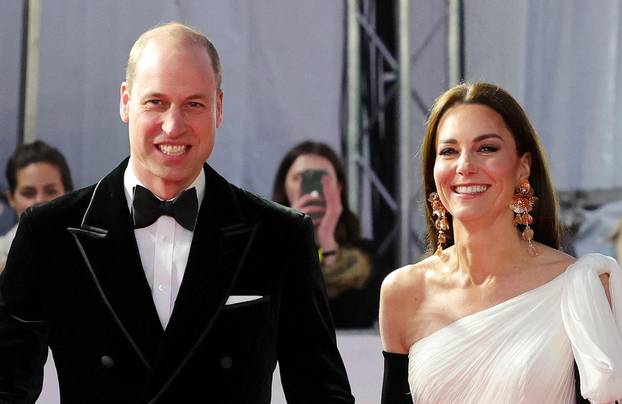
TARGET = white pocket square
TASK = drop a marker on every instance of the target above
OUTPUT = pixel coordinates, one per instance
(235, 299)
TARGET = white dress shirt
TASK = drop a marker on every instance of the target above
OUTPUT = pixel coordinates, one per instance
(164, 247)
(5, 245)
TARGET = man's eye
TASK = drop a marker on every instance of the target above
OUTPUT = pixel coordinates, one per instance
(153, 102)
(195, 104)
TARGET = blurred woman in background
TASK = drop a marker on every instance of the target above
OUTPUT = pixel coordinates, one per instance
(36, 173)
(346, 259)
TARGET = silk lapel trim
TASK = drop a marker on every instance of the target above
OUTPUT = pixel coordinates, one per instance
(107, 246)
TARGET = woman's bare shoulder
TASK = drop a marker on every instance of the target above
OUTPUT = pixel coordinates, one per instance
(408, 281)
(401, 294)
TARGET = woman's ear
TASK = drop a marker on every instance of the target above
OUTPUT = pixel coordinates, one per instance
(524, 169)
(10, 200)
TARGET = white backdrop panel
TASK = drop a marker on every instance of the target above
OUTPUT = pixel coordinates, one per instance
(282, 66)
(561, 59)
(10, 65)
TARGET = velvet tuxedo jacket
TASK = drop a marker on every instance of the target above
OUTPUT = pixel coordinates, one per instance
(74, 281)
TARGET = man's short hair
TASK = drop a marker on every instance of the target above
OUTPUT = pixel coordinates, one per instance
(174, 30)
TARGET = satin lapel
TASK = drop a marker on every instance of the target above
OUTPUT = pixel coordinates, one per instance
(108, 246)
(219, 246)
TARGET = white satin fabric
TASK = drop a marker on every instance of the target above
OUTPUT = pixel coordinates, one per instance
(522, 350)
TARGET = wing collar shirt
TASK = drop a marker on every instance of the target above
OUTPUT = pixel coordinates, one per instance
(164, 247)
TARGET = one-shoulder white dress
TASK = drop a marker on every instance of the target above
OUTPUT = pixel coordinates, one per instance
(523, 349)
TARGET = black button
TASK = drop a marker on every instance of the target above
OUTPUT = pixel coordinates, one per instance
(106, 361)
(226, 362)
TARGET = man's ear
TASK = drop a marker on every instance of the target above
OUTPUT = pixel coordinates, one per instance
(124, 101)
(524, 166)
(219, 98)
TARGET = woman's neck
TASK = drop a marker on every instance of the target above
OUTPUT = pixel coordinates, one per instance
(482, 253)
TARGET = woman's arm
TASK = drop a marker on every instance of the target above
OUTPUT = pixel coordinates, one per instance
(397, 306)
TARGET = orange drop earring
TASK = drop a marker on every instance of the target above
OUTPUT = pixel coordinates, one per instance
(441, 224)
(522, 203)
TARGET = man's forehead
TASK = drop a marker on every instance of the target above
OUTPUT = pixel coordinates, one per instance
(159, 49)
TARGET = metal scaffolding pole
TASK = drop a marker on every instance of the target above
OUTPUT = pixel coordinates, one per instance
(30, 72)
(455, 41)
(404, 131)
(353, 134)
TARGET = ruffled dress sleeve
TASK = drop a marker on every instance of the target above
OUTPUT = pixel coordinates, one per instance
(593, 327)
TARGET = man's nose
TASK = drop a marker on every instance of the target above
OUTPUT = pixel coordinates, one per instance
(174, 123)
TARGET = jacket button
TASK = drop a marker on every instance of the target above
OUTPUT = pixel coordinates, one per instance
(106, 361)
(226, 362)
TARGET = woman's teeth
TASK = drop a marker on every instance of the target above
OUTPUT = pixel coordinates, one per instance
(471, 189)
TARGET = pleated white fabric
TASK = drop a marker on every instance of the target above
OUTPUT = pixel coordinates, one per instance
(521, 350)
(594, 330)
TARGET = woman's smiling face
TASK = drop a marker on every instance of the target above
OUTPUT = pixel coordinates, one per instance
(477, 165)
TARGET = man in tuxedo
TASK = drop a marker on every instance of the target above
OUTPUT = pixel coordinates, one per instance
(163, 283)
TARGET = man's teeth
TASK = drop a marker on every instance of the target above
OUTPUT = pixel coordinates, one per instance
(172, 150)
(471, 189)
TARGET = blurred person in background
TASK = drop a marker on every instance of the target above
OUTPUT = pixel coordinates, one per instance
(311, 179)
(35, 173)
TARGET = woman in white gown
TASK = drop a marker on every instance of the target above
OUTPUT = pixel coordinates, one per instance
(497, 314)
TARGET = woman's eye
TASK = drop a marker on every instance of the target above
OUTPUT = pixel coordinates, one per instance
(28, 194)
(489, 148)
(447, 151)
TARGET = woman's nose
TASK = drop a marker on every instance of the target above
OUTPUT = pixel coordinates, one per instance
(466, 164)
(40, 198)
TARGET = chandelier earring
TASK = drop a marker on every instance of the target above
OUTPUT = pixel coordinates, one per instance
(522, 203)
(441, 224)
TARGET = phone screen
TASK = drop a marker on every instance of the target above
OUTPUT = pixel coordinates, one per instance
(312, 181)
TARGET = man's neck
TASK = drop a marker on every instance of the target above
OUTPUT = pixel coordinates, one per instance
(164, 189)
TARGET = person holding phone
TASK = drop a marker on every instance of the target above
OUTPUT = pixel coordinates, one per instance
(311, 179)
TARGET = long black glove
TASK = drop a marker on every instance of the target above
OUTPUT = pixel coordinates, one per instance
(395, 388)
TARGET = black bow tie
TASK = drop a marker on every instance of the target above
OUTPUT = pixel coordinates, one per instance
(146, 208)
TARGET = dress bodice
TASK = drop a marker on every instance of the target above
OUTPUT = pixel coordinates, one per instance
(523, 349)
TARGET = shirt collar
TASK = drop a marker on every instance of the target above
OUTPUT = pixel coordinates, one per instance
(130, 181)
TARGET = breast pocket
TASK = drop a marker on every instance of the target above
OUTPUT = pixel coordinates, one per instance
(244, 323)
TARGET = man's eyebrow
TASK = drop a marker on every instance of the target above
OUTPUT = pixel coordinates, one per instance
(197, 95)
(153, 94)
(156, 94)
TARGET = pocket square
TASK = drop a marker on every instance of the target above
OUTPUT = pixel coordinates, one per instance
(235, 299)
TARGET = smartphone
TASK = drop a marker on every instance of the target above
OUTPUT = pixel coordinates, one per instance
(311, 183)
